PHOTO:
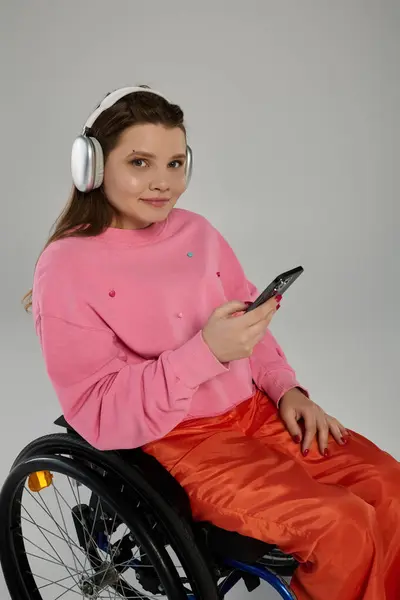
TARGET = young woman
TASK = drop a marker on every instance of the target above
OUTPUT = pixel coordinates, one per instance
(139, 310)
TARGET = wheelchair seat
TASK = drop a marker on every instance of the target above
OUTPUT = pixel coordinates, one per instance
(226, 544)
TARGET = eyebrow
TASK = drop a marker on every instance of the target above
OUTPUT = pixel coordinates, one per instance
(150, 155)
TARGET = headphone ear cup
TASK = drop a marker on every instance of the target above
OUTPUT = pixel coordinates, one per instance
(98, 163)
(189, 165)
(87, 163)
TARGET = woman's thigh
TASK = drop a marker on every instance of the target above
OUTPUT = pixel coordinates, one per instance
(359, 465)
(241, 484)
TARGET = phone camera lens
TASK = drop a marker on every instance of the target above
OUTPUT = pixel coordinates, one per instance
(280, 285)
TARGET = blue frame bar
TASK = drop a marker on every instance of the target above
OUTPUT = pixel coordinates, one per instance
(265, 575)
(233, 578)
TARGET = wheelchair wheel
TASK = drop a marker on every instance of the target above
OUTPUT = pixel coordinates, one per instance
(69, 530)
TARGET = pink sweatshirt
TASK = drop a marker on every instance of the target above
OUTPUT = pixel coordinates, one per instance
(119, 318)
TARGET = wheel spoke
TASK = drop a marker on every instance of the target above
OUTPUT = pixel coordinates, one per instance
(53, 583)
(81, 520)
(50, 533)
(54, 562)
(45, 537)
(69, 589)
(65, 525)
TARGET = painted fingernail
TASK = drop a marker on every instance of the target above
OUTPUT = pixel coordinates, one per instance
(278, 307)
(343, 441)
(305, 452)
(296, 439)
(326, 453)
(278, 298)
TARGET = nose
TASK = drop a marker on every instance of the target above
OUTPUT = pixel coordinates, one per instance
(159, 182)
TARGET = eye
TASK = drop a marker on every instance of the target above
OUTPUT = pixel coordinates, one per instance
(175, 164)
(139, 162)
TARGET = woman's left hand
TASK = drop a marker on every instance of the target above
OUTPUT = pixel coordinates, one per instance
(294, 407)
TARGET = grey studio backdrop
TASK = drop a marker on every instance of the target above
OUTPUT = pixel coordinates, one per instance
(293, 115)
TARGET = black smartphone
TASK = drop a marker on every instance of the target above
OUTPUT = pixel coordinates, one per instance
(277, 287)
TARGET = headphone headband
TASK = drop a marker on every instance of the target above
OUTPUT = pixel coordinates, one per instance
(112, 98)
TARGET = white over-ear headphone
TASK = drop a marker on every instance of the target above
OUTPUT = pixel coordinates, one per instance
(87, 159)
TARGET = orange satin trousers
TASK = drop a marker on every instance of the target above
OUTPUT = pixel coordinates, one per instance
(339, 516)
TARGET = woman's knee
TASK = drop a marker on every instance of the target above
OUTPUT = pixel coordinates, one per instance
(350, 535)
(381, 487)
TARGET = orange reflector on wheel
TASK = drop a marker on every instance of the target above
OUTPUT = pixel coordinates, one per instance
(39, 480)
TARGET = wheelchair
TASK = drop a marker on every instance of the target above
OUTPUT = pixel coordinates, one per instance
(122, 528)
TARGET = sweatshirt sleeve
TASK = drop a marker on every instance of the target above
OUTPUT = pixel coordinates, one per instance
(270, 369)
(110, 402)
(115, 405)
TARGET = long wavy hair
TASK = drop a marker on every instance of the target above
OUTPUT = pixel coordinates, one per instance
(89, 214)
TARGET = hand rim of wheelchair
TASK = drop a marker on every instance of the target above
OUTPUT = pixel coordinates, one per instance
(203, 568)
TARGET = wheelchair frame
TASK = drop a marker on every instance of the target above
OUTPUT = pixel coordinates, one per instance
(203, 545)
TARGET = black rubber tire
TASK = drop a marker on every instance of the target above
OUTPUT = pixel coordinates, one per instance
(135, 485)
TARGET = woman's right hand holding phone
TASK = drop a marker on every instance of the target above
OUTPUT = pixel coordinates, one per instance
(231, 337)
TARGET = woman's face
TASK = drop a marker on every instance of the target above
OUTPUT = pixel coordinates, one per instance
(144, 175)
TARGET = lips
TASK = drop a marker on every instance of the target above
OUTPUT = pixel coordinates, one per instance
(157, 202)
